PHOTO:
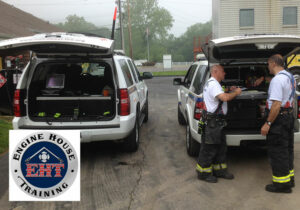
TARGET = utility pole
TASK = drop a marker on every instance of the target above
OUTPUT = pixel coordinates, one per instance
(148, 48)
(121, 26)
(129, 30)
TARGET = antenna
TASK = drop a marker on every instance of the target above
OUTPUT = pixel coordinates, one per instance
(114, 23)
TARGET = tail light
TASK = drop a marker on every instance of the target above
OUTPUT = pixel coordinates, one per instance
(298, 108)
(124, 102)
(199, 106)
(19, 106)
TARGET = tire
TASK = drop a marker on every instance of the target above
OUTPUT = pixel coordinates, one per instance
(146, 112)
(192, 146)
(180, 116)
(131, 142)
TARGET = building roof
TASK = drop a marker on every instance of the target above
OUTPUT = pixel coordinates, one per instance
(15, 23)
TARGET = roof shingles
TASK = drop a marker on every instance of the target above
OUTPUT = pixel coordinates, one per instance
(15, 23)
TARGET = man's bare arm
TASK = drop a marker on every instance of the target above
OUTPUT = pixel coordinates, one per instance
(271, 118)
(275, 109)
(229, 96)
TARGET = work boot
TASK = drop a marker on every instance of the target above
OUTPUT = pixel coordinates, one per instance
(292, 183)
(278, 189)
(207, 177)
(223, 174)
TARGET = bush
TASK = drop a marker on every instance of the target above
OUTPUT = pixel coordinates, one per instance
(149, 63)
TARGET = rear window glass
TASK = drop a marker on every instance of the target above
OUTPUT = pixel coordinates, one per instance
(126, 72)
(133, 71)
(95, 69)
(73, 78)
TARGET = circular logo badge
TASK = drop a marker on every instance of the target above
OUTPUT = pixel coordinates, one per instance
(44, 165)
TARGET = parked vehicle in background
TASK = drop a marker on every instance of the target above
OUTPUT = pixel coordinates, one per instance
(75, 81)
(8, 82)
(243, 57)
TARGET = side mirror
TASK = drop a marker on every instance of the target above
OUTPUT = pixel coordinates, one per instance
(177, 81)
(147, 75)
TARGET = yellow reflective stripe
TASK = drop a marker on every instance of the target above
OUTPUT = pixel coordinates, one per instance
(292, 172)
(207, 170)
(216, 166)
(223, 165)
(282, 179)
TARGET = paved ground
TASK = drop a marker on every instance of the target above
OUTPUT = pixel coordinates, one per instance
(161, 175)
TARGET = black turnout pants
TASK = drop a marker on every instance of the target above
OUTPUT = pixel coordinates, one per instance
(280, 141)
(212, 153)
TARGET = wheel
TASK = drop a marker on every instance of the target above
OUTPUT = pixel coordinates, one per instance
(192, 146)
(131, 143)
(180, 116)
(146, 111)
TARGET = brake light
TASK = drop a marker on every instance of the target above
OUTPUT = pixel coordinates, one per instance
(19, 106)
(199, 106)
(298, 108)
(124, 102)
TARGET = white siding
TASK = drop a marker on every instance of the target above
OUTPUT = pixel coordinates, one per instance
(268, 17)
(215, 16)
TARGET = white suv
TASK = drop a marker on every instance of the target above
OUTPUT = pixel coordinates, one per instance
(74, 81)
(243, 57)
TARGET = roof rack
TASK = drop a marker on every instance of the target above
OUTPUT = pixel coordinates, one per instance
(258, 34)
(119, 52)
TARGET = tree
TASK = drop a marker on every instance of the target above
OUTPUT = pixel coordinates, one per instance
(78, 24)
(146, 15)
(182, 48)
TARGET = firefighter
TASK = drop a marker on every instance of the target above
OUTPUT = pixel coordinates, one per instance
(279, 126)
(212, 157)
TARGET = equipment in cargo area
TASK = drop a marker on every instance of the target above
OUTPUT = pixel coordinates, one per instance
(62, 92)
(246, 112)
(55, 81)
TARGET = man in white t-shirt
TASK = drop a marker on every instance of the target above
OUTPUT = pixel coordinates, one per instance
(212, 157)
(279, 126)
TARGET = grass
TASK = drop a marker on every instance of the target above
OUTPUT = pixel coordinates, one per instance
(169, 73)
(5, 126)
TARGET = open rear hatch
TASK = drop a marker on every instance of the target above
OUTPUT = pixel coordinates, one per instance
(75, 83)
(56, 43)
(250, 48)
(242, 57)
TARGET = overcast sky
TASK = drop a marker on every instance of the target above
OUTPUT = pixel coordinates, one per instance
(100, 12)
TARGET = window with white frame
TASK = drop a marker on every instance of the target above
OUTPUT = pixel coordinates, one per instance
(246, 17)
(289, 15)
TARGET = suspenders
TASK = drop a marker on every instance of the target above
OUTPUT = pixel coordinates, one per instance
(292, 82)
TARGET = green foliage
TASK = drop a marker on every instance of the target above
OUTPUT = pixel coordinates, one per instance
(146, 16)
(5, 126)
(169, 73)
(80, 25)
(182, 48)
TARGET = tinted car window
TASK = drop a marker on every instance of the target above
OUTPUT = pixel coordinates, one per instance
(137, 71)
(189, 76)
(133, 71)
(198, 81)
(126, 72)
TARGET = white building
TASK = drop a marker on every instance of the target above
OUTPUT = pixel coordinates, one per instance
(239, 17)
